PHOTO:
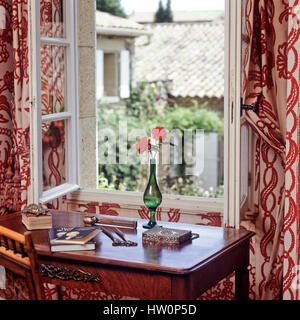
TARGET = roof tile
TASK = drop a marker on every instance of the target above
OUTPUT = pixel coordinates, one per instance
(190, 55)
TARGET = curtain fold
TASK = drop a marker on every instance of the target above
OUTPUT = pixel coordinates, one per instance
(14, 108)
(270, 62)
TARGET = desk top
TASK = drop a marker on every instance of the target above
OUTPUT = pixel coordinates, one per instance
(183, 259)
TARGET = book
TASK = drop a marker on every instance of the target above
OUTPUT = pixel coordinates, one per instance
(166, 235)
(33, 222)
(74, 235)
(72, 247)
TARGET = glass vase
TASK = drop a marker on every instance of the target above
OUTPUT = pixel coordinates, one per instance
(152, 196)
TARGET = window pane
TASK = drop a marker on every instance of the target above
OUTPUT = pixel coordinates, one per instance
(52, 15)
(54, 155)
(53, 79)
(177, 80)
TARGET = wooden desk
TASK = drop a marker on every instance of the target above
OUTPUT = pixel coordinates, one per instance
(145, 272)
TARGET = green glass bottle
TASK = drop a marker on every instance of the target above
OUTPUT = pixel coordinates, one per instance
(152, 196)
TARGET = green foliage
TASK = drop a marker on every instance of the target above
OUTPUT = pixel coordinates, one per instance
(142, 102)
(119, 177)
(111, 6)
(164, 14)
(142, 111)
(159, 15)
(168, 12)
(183, 118)
(189, 186)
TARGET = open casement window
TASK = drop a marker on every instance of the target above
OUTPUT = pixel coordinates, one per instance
(55, 152)
(54, 128)
(238, 138)
(230, 205)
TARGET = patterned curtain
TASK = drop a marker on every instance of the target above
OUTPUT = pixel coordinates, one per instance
(271, 69)
(14, 106)
(291, 230)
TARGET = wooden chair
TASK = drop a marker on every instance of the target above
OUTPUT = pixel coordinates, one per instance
(18, 255)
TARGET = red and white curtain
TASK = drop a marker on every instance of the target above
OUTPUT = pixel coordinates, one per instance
(271, 68)
(14, 106)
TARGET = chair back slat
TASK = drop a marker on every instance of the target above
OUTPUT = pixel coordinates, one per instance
(22, 251)
(14, 246)
(6, 242)
(20, 248)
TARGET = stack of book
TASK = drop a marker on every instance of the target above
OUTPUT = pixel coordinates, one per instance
(34, 222)
(72, 239)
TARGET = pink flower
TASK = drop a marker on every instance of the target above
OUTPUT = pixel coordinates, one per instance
(159, 133)
(143, 145)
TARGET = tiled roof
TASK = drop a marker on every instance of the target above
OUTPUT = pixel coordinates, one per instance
(180, 16)
(106, 20)
(189, 55)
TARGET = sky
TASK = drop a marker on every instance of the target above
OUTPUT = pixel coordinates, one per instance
(177, 5)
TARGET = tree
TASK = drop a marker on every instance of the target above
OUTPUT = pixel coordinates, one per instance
(160, 13)
(164, 14)
(111, 6)
(168, 12)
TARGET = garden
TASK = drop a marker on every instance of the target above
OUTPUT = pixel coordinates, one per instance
(145, 109)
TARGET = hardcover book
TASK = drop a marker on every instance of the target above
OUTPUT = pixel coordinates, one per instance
(166, 235)
(33, 222)
(73, 247)
(74, 235)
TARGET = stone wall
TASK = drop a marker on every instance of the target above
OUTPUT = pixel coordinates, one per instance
(87, 93)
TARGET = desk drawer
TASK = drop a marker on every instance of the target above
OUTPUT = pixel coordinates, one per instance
(144, 285)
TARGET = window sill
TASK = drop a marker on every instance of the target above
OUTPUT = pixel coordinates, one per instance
(190, 205)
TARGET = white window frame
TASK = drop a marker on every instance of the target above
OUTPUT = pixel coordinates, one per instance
(232, 113)
(71, 115)
(230, 205)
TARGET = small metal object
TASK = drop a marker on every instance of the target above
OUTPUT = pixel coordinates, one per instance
(115, 242)
(90, 220)
(37, 209)
(254, 107)
(99, 221)
(128, 243)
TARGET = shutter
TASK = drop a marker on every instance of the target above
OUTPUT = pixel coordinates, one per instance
(124, 74)
(100, 74)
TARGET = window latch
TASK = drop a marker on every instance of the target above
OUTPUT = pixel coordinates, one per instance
(254, 107)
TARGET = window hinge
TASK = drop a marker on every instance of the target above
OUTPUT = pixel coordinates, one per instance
(254, 107)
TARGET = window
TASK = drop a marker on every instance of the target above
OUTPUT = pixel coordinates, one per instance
(57, 116)
(176, 83)
(113, 75)
(54, 125)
